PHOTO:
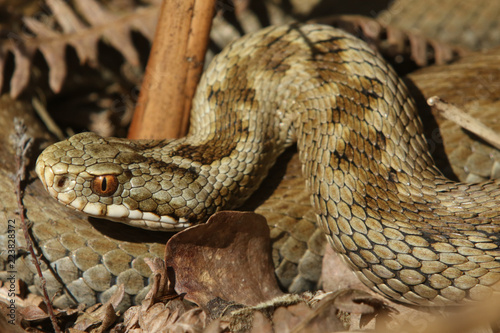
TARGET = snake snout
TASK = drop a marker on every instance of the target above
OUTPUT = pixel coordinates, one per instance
(40, 170)
(54, 173)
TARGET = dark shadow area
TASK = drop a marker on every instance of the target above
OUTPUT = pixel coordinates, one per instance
(271, 182)
(126, 233)
(358, 7)
(431, 131)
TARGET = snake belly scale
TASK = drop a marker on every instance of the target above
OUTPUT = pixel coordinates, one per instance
(409, 232)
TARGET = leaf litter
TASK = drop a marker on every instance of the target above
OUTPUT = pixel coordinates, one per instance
(219, 277)
(225, 267)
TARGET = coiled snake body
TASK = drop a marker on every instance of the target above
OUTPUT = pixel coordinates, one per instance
(410, 233)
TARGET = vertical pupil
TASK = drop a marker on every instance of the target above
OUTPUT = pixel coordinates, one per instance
(104, 184)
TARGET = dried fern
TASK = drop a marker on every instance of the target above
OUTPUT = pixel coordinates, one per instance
(89, 22)
(393, 42)
(71, 30)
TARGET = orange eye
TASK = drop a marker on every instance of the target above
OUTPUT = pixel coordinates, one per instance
(104, 185)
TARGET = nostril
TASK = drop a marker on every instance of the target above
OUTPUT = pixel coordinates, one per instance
(63, 183)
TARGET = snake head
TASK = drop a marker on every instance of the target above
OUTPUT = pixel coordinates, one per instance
(113, 179)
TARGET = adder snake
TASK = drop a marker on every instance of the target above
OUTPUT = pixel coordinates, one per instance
(409, 232)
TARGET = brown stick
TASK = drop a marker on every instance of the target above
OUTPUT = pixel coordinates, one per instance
(173, 69)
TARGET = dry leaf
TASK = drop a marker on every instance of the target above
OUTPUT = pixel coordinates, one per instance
(101, 317)
(32, 313)
(154, 316)
(323, 318)
(6, 322)
(261, 324)
(6, 318)
(161, 285)
(285, 319)
(175, 316)
(288, 313)
(23, 55)
(70, 23)
(53, 51)
(229, 257)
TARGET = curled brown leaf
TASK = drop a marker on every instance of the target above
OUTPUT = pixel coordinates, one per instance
(229, 257)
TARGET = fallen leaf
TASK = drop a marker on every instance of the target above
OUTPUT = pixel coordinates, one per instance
(86, 47)
(289, 313)
(285, 319)
(21, 76)
(32, 313)
(53, 51)
(101, 317)
(161, 286)
(8, 315)
(175, 316)
(323, 318)
(6, 322)
(155, 316)
(261, 324)
(229, 257)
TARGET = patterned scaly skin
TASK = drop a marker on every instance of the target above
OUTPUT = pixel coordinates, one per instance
(410, 233)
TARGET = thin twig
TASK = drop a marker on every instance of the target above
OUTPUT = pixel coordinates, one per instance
(465, 120)
(22, 143)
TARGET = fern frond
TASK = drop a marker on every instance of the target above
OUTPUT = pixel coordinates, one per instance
(100, 24)
(394, 42)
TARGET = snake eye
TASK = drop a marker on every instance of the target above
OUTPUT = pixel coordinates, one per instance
(104, 185)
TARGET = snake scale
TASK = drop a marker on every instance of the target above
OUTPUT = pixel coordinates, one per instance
(409, 233)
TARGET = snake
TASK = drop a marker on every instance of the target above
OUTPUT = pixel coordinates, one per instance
(407, 231)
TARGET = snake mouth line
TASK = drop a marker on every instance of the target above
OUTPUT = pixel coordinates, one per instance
(145, 220)
(161, 225)
(135, 218)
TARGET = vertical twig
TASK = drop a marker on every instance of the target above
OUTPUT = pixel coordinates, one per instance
(22, 143)
(173, 69)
